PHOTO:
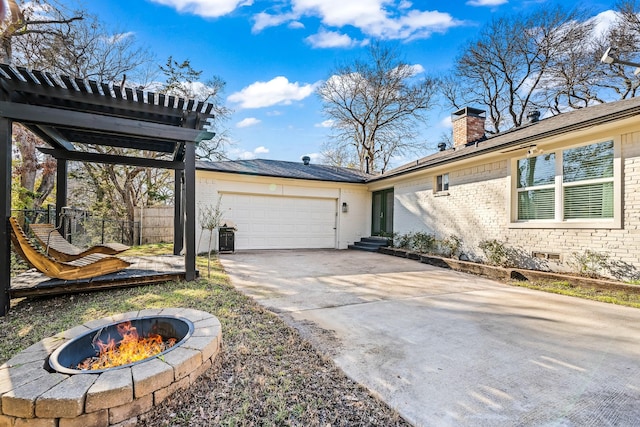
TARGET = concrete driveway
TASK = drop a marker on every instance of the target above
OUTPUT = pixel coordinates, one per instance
(452, 349)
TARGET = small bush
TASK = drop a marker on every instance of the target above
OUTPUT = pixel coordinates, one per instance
(404, 241)
(589, 263)
(423, 242)
(450, 246)
(496, 252)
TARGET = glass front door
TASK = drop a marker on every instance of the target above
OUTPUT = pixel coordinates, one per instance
(382, 213)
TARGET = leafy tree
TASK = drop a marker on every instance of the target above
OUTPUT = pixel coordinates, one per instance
(376, 105)
(118, 189)
(182, 80)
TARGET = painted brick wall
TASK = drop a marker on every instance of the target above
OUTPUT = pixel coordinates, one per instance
(476, 209)
(473, 209)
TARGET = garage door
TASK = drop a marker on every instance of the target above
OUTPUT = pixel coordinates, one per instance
(271, 222)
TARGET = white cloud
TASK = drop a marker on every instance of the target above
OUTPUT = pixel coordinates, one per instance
(264, 20)
(324, 124)
(417, 69)
(245, 155)
(381, 19)
(375, 18)
(604, 21)
(295, 25)
(248, 155)
(327, 39)
(276, 91)
(249, 121)
(205, 8)
(486, 2)
(315, 157)
(445, 122)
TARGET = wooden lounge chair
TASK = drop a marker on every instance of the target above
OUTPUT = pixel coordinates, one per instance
(89, 266)
(59, 248)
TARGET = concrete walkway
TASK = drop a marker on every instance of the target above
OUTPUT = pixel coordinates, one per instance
(450, 349)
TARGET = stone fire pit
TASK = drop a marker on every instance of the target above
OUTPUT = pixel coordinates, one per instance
(31, 393)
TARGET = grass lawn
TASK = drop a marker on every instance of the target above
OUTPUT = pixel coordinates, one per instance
(265, 375)
(603, 295)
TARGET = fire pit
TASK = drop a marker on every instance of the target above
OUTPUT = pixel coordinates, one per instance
(43, 384)
(166, 334)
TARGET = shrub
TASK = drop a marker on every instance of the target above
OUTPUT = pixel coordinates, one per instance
(423, 242)
(404, 241)
(450, 246)
(496, 252)
(589, 263)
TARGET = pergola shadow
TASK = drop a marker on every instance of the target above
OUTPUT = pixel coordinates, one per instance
(71, 115)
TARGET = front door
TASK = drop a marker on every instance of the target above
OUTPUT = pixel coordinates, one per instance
(382, 213)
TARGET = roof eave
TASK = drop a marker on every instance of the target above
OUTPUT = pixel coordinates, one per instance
(528, 140)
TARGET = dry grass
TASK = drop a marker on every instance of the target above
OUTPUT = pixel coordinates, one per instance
(266, 374)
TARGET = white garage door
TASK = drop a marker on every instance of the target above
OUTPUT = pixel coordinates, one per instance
(270, 222)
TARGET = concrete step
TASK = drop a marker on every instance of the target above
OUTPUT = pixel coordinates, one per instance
(382, 241)
(356, 246)
(370, 244)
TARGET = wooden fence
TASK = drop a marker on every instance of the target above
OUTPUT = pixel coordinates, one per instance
(156, 224)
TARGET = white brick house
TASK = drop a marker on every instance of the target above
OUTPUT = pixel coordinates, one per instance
(557, 186)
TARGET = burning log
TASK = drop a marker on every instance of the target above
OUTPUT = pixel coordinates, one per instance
(130, 349)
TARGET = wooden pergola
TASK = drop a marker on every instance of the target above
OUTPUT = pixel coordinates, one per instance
(71, 113)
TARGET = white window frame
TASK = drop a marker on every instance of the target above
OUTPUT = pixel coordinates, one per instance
(439, 189)
(558, 221)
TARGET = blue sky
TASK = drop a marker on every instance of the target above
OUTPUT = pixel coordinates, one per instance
(272, 54)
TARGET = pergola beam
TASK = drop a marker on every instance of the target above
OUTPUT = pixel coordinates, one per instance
(82, 156)
(36, 115)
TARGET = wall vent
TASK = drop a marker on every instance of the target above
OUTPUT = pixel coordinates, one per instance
(546, 255)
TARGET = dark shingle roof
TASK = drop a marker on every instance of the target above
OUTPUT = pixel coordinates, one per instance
(511, 139)
(282, 169)
(528, 134)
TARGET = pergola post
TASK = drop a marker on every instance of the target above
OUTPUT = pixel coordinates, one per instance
(61, 189)
(178, 213)
(5, 206)
(190, 217)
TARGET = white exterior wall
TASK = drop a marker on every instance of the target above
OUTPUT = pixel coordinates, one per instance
(350, 226)
(477, 208)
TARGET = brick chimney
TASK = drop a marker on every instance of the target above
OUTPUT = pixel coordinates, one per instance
(468, 126)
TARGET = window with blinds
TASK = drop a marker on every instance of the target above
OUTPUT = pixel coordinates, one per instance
(583, 176)
(536, 187)
(587, 181)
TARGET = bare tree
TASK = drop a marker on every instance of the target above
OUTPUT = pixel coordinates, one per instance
(43, 20)
(517, 63)
(36, 17)
(630, 13)
(86, 50)
(344, 156)
(616, 80)
(376, 105)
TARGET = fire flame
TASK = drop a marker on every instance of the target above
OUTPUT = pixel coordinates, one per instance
(132, 348)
